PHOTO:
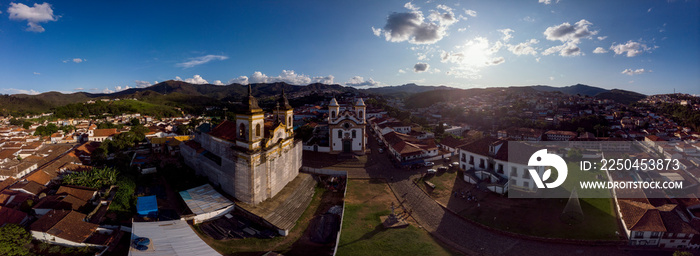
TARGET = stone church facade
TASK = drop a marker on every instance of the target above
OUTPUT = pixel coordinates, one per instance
(251, 159)
(346, 125)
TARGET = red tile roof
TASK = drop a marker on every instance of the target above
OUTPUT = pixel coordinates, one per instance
(69, 225)
(105, 132)
(225, 130)
(8, 215)
(83, 193)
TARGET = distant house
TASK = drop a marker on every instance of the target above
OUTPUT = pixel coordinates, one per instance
(554, 135)
(100, 135)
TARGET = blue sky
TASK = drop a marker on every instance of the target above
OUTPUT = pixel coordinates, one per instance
(96, 46)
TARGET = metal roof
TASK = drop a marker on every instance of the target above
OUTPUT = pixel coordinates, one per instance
(204, 199)
(173, 237)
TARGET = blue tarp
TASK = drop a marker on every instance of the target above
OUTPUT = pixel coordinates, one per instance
(147, 205)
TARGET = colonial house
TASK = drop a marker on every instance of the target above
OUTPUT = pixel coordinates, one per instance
(487, 161)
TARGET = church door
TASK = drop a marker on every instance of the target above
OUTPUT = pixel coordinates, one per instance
(347, 146)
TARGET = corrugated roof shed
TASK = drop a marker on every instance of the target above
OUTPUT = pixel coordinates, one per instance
(173, 237)
(204, 199)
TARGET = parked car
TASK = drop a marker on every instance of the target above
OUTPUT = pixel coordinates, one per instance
(381, 150)
(428, 164)
(432, 171)
(442, 168)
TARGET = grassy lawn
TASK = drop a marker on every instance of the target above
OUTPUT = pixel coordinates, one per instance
(363, 233)
(278, 244)
(543, 216)
(443, 182)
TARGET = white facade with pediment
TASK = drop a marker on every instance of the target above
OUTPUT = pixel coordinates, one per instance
(347, 127)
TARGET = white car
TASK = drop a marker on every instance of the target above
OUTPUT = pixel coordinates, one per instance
(428, 164)
(432, 171)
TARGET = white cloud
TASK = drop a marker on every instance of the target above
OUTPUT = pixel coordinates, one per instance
(401, 71)
(631, 48)
(40, 13)
(470, 12)
(217, 82)
(472, 57)
(649, 10)
(412, 27)
(78, 89)
(74, 60)
(496, 61)
(37, 73)
(177, 78)
(524, 48)
(507, 34)
(631, 72)
(601, 38)
(570, 35)
(239, 80)
(410, 6)
(421, 67)
(17, 91)
(287, 76)
(547, 1)
(600, 50)
(566, 49)
(461, 29)
(142, 84)
(196, 79)
(529, 19)
(566, 32)
(358, 81)
(376, 31)
(551, 78)
(323, 79)
(191, 62)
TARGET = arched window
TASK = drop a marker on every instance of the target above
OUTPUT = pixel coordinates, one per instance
(332, 114)
(289, 122)
(361, 116)
(340, 134)
(241, 132)
(354, 134)
(257, 130)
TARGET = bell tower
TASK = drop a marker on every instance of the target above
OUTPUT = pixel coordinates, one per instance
(333, 109)
(360, 110)
(285, 113)
(250, 123)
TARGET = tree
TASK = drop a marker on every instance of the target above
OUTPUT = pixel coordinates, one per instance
(440, 129)
(135, 122)
(14, 240)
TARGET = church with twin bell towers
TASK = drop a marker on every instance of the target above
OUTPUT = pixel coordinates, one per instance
(250, 158)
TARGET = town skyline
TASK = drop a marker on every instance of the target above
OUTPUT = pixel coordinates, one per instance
(647, 47)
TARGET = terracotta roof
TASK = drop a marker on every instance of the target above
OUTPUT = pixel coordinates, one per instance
(9, 215)
(60, 202)
(480, 146)
(640, 216)
(195, 145)
(83, 193)
(30, 186)
(8, 153)
(6, 183)
(105, 132)
(225, 130)
(69, 225)
(41, 177)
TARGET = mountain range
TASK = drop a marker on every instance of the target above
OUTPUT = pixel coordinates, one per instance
(189, 96)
